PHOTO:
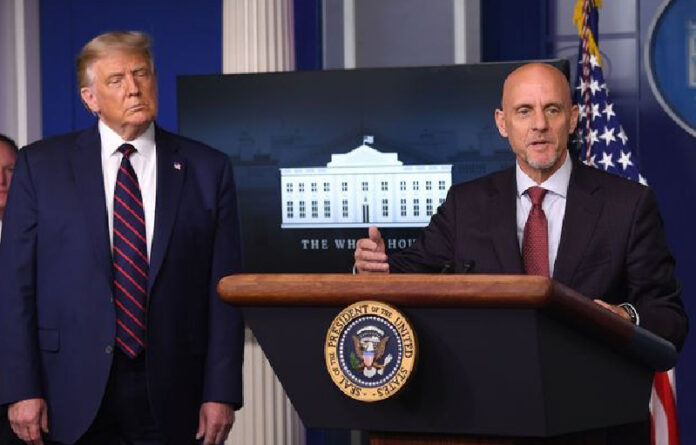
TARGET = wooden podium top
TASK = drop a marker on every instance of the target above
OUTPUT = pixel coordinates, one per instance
(448, 290)
(399, 289)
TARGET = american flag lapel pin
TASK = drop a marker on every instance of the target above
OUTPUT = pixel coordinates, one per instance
(177, 165)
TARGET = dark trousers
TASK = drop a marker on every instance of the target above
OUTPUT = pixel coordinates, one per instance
(124, 417)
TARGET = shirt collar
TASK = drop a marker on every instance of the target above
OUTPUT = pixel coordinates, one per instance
(110, 141)
(557, 183)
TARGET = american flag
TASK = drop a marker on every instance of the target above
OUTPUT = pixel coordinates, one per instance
(604, 145)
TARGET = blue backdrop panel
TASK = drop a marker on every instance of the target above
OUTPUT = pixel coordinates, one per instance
(187, 36)
(668, 155)
(513, 30)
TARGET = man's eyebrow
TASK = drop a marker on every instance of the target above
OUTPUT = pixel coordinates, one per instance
(115, 74)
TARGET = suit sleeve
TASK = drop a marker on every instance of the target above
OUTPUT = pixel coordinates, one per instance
(434, 250)
(19, 355)
(652, 286)
(223, 366)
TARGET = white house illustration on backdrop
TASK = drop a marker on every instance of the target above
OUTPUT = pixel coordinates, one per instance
(360, 188)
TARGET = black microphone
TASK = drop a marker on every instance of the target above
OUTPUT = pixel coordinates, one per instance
(468, 266)
(447, 268)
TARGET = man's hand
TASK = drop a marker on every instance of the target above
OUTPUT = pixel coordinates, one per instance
(370, 254)
(214, 422)
(28, 419)
(621, 312)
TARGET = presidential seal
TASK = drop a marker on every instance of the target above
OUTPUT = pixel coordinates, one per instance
(670, 61)
(370, 351)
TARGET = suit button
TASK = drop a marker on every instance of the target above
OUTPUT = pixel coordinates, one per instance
(109, 349)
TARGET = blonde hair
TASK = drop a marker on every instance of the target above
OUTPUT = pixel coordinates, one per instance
(125, 41)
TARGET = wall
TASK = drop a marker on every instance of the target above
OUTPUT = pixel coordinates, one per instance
(20, 83)
(397, 33)
(186, 35)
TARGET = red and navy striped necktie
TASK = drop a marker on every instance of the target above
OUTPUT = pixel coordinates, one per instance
(130, 261)
(535, 244)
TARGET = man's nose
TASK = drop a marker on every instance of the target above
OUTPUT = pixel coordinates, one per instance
(132, 86)
(540, 121)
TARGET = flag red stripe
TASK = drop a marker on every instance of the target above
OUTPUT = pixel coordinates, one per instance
(663, 389)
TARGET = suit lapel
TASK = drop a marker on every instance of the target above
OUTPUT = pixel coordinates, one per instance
(583, 208)
(85, 160)
(171, 169)
(502, 218)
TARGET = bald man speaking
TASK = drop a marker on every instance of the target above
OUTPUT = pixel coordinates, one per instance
(549, 215)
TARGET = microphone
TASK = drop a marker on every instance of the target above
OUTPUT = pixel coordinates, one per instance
(447, 268)
(467, 267)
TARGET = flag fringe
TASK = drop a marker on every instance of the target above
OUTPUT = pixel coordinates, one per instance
(578, 19)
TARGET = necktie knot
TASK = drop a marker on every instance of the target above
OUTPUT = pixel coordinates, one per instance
(127, 150)
(536, 194)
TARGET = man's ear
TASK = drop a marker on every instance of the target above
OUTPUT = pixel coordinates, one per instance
(89, 99)
(574, 112)
(500, 123)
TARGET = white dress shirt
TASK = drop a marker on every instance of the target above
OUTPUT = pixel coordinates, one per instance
(144, 162)
(554, 204)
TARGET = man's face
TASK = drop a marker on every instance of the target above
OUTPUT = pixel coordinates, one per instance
(536, 118)
(7, 163)
(123, 93)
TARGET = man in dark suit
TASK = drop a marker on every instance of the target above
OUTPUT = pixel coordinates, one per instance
(8, 157)
(114, 239)
(596, 233)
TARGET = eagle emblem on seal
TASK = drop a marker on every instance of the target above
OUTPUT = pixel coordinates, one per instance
(370, 344)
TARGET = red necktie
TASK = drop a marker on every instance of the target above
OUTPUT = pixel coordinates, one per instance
(535, 245)
(129, 258)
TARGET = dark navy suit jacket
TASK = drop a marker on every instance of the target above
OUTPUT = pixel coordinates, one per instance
(57, 319)
(612, 243)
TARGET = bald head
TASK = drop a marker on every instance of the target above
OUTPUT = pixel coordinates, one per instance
(536, 117)
(539, 73)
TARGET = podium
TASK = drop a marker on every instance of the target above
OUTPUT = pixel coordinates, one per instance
(502, 359)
